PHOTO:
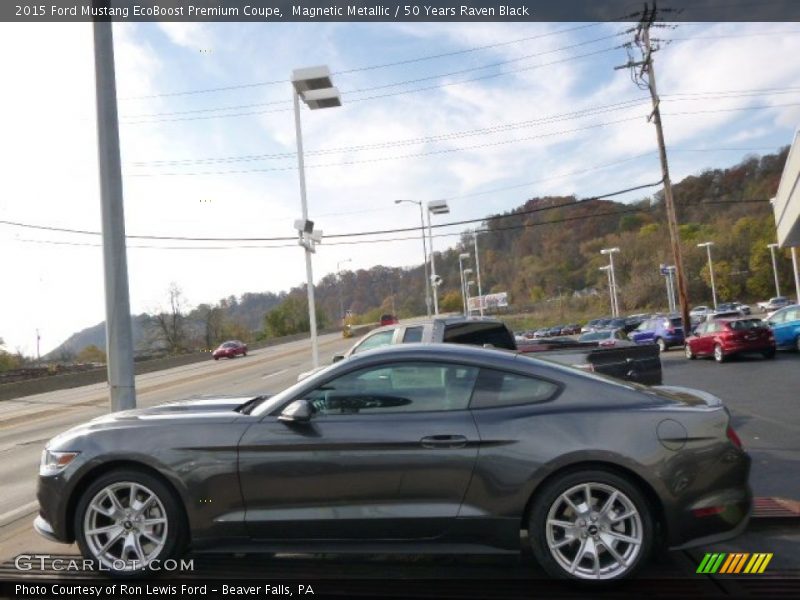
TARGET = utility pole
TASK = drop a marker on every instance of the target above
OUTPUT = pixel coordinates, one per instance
(119, 338)
(645, 77)
(38, 354)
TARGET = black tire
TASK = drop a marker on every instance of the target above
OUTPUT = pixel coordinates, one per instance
(719, 354)
(216, 358)
(769, 354)
(797, 344)
(175, 533)
(662, 345)
(549, 497)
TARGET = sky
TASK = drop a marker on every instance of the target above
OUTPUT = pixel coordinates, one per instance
(485, 115)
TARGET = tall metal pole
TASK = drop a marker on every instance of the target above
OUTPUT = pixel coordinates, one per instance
(668, 281)
(672, 290)
(119, 337)
(434, 288)
(775, 269)
(711, 271)
(796, 276)
(614, 284)
(425, 261)
(478, 272)
(312, 309)
(463, 285)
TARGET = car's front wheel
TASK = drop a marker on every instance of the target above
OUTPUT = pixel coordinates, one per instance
(662, 345)
(688, 351)
(126, 519)
(590, 525)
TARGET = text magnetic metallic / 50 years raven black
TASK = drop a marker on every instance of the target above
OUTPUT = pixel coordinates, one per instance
(412, 448)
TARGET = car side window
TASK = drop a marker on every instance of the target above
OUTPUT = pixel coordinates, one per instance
(779, 317)
(499, 388)
(701, 329)
(792, 314)
(412, 334)
(377, 340)
(399, 387)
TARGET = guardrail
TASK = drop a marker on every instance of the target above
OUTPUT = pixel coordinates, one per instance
(49, 383)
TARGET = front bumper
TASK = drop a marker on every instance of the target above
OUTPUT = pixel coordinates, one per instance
(44, 529)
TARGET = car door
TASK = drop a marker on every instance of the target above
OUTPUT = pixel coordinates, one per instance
(697, 339)
(780, 328)
(387, 454)
(645, 333)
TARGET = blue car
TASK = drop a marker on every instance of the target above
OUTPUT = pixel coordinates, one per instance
(666, 331)
(785, 325)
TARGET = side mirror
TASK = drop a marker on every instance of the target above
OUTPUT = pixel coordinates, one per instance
(299, 411)
(337, 357)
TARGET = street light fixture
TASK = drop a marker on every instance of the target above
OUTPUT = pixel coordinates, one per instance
(424, 252)
(772, 248)
(437, 207)
(467, 285)
(339, 279)
(707, 246)
(614, 300)
(314, 87)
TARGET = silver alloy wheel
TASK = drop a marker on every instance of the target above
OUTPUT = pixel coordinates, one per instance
(594, 531)
(719, 356)
(125, 526)
(688, 351)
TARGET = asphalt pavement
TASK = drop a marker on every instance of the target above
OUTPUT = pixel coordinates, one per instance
(761, 395)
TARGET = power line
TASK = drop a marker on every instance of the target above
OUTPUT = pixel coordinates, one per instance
(369, 67)
(403, 141)
(388, 94)
(524, 225)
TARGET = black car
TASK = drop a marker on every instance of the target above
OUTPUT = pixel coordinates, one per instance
(413, 448)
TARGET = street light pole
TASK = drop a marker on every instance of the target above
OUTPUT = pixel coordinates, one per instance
(339, 279)
(467, 273)
(607, 269)
(772, 248)
(707, 246)
(119, 335)
(424, 253)
(437, 207)
(614, 299)
(478, 272)
(314, 86)
(461, 258)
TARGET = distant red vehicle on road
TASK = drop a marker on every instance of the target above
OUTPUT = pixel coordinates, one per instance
(230, 349)
(388, 320)
(724, 338)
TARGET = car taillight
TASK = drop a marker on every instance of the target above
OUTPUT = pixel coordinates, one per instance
(734, 438)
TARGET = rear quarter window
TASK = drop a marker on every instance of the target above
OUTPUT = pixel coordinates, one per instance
(479, 334)
(499, 388)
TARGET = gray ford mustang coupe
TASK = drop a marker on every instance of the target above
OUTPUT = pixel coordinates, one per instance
(412, 448)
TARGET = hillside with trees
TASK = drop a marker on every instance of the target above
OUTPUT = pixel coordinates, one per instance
(549, 247)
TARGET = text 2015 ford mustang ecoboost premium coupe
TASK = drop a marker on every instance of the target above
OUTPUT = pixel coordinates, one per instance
(414, 448)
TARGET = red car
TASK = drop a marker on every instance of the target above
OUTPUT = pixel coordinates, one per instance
(724, 338)
(230, 349)
(388, 320)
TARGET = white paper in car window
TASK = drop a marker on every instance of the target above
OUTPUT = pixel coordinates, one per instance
(417, 377)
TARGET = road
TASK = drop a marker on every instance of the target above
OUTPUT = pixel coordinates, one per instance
(761, 394)
(27, 423)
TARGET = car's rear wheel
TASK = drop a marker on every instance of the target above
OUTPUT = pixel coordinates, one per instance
(126, 519)
(590, 525)
(769, 354)
(797, 343)
(719, 354)
(689, 354)
(662, 345)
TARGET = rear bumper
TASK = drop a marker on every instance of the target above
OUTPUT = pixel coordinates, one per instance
(737, 348)
(726, 526)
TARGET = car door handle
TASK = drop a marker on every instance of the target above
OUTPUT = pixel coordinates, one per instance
(443, 441)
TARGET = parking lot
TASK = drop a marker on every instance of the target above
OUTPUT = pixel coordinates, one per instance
(761, 395)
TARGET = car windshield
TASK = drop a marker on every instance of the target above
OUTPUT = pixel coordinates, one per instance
(676, 322)
(596, 335)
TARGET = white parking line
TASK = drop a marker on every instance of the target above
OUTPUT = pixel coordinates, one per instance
(281, 372)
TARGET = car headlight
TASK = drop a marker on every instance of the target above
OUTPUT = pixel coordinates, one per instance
(55, 462)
